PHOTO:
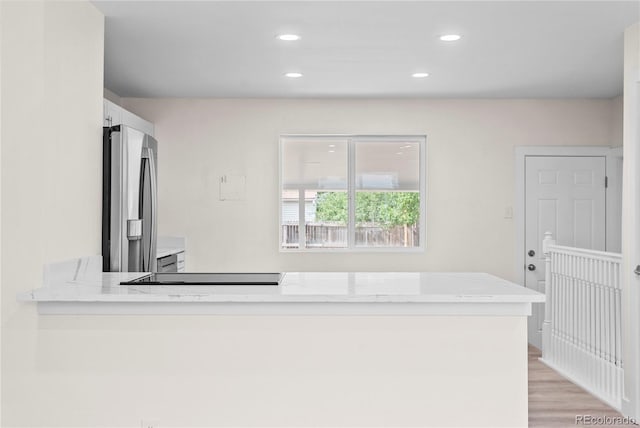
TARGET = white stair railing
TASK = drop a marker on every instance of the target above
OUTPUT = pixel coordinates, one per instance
(581, 337)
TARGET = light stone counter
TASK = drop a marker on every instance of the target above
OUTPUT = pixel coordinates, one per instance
(361, 349)
(167, 251)
(168, 245)
(299, 293)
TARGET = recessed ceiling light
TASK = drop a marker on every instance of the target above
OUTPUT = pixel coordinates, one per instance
(418, 75)
(399, 153)
(332, 151)
(293, 74)
(450, 37)
(289, 37)
(332, 145)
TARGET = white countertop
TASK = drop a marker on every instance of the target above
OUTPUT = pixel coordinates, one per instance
(167, 251)
(375, 288)
(168, 245)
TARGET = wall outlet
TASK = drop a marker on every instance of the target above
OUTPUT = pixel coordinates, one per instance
(149, 423)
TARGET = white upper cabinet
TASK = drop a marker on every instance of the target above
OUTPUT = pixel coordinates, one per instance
(112, 114)
(116, 115)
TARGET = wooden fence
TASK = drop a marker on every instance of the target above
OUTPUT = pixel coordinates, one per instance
(326, 235)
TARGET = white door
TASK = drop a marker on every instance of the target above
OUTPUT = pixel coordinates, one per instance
(565, 195)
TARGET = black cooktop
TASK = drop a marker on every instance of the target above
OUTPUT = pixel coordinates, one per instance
(196, 278)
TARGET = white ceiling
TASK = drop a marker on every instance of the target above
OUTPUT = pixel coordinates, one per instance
(509, 49)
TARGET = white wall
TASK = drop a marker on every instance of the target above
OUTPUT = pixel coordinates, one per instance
(1, 58)
(470, 173)
(614, 172)
(631, 224)
(616, 121)
(51, 115)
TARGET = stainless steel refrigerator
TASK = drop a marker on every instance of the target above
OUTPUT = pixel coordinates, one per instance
(129, 200)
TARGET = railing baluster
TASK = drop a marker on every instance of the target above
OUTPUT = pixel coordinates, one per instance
(581, 331)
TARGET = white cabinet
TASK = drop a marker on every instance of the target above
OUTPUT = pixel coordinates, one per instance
(181, 264)
(170, 262)
(116, 115)
(174, 247)
(112, 114)
(136, 122)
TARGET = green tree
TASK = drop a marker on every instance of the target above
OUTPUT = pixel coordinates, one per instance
(387, 209)
(406, 208)
(331, 206)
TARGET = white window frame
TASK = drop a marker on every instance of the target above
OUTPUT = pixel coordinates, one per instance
(352, 139)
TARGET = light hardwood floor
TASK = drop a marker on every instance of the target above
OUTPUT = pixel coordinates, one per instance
(555, 402)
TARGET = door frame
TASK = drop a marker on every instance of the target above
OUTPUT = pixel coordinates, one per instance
(521, 153)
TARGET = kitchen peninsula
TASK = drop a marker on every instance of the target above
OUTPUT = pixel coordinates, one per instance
(337, 348)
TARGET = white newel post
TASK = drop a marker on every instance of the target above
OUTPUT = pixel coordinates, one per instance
(546, 325)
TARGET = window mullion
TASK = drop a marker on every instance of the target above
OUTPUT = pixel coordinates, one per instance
(302, 220)
(351, 193)
(423, 193)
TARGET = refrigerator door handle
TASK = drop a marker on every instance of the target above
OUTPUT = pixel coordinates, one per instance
(154, 210)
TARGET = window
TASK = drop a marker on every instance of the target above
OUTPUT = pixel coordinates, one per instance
(352, 192)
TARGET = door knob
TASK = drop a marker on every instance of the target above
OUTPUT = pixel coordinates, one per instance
(531, 267)
(531, 253)
(637, 270)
